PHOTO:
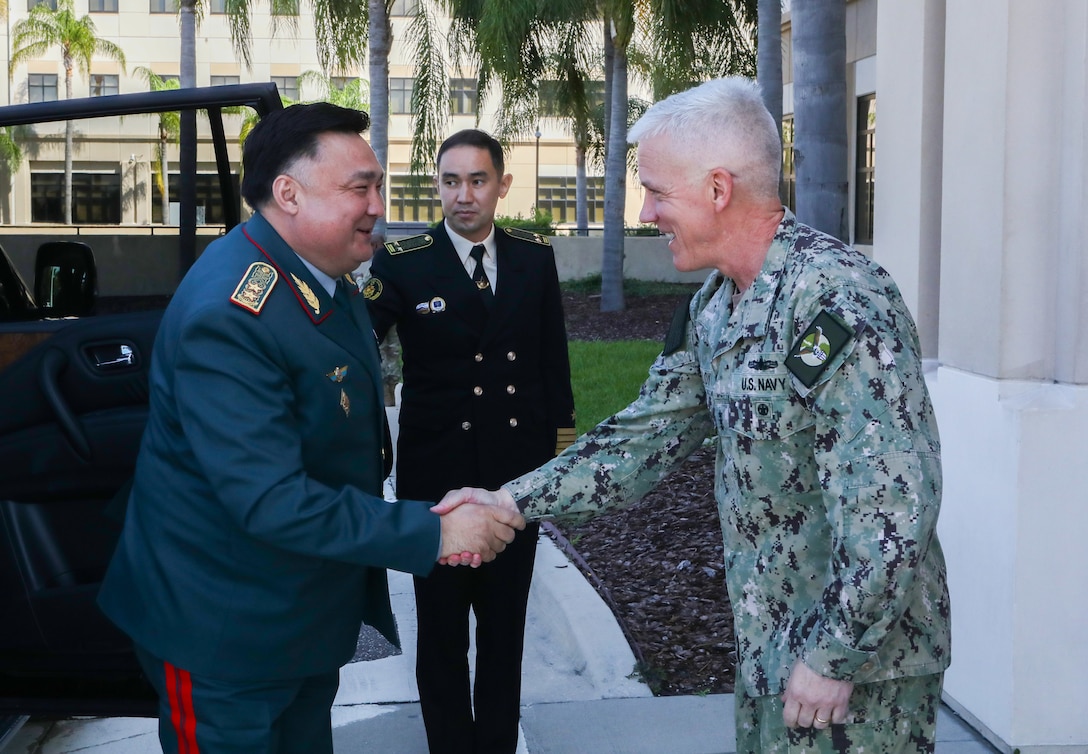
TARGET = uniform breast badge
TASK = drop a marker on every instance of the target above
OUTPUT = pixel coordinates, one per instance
(308, 294)
(252, 291)
(338, 374)
(345, 402)
(372, 290)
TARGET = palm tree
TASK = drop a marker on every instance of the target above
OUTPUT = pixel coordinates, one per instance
(380, 37)
(169, 131)
(819, 112)
(349, 95)
(79, 42)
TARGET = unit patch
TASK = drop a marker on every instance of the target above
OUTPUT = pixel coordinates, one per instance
(372, 290)
(817, 346)
(527, 235)
(412, 243)
(256, 284)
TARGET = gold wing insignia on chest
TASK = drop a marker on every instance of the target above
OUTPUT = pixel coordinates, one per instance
(527, 235)
(254, 287)
(412, 243)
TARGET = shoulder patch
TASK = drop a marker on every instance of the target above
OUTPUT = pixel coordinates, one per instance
(817, 346)
(412, 243)
(372, 290)
(527, 235)
(674, 338)
(252, 291)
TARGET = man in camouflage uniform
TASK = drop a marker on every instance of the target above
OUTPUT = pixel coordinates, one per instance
(800, 355)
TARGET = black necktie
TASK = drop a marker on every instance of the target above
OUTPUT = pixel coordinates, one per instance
(342, 298)
(479, 275)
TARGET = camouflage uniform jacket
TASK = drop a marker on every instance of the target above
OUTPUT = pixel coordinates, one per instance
(828, 492)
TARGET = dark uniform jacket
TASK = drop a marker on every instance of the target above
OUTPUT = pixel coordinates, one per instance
(256, 538)
(485, 397)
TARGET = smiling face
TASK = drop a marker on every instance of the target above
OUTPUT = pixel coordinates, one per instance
(470, 188)
(334, 200)
(679, 200)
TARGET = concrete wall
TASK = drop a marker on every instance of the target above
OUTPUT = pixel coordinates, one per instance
(983, 178)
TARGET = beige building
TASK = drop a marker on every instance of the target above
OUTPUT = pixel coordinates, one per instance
(980, 217)
(112, 176)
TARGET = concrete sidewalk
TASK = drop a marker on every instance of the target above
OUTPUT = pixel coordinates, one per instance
(577, 697)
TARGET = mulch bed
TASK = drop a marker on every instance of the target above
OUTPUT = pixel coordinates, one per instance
(659, 563)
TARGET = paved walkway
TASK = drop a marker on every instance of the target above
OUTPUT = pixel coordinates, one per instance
(577, 696)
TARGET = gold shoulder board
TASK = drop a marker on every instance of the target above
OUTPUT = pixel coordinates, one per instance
(527, 235)
(412, 243)
(255, 286)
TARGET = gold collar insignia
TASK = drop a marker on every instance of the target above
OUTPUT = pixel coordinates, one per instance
(307, 294)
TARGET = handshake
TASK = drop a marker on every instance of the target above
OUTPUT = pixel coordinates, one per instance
(476, 525)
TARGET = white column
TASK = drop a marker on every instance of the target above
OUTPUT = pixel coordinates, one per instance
(1012, 389)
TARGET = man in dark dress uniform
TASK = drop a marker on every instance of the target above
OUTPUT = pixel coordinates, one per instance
(256, 538)
(486, 396)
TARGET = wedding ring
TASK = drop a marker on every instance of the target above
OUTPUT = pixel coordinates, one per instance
(820, 720)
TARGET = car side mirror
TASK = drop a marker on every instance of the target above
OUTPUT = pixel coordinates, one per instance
(65, 279)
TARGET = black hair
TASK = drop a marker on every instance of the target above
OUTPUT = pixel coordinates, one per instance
(474, 137)
(281, 138)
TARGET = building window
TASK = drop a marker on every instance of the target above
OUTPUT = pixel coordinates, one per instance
(549, 104)
(224, 80)
(217, 7)
(163, 6)
(558, 197)
(865, 178)
(102, 6)
(789, 170)
(96, 198)
(51, 4)
(401, 92)
(404, 8)
(209, 200)
(288, 86)
(462, 96)
(42, 87)
(340, 83)
(103, 84)
(413, 199)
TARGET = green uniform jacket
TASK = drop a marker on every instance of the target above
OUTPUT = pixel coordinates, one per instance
(256, 538)
(828, 475)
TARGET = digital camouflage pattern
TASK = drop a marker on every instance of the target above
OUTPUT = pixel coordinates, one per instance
(828, 494)
(891, 717)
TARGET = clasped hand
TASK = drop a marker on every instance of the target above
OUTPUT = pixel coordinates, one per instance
(477, 525)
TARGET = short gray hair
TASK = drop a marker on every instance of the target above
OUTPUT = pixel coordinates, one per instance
(725, 121)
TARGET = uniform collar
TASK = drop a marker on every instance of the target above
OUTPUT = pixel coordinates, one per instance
(463, 246)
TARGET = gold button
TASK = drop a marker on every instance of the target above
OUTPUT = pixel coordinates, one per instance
(466, 425)
(479, 357)
(513, 421)
(478, 390)
(511, 356)
(511, 389)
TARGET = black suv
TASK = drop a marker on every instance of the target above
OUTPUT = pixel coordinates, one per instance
(73, 404)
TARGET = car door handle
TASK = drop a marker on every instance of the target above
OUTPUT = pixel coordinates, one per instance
(53, 364)
(109, 357)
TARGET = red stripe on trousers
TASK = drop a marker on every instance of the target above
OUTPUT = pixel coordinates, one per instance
(179, 691)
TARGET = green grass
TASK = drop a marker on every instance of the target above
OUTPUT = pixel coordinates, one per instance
(606, 376)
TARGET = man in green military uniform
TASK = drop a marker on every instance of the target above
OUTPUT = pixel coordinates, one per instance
(800, 355)
(256, 536)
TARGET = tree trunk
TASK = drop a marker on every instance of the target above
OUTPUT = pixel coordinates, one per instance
(769, 67)
(68, 128)
(187, 150)
(164, 168)
(819, 97)
(581, 192)
(615, 188)
(380, 37)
